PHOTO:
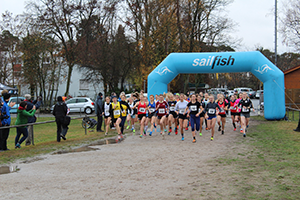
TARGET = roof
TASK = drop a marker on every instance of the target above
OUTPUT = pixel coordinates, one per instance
(291, 69)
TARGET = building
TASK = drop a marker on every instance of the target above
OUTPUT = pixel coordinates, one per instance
(292, 85)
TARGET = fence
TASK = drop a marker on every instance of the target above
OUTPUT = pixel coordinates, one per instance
(290, 112)
(46, 122)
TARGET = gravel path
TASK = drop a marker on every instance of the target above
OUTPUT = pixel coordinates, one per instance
(137, 168)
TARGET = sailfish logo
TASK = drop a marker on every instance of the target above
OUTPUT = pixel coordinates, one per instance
(263, 69)
(163, 71)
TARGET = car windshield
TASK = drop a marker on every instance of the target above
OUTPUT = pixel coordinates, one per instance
(71, 101)
(16, 100)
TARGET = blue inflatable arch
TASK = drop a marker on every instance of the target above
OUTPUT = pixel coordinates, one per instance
(255, 62)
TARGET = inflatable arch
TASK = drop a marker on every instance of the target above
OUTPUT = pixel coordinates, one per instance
(255, 62)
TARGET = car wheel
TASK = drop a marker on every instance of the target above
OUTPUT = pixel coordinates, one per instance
(88, 110)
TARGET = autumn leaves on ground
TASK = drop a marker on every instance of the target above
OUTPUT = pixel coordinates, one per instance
(264, 165)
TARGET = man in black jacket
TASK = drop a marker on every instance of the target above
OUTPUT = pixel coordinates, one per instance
(99, 111)
(298, 128)
(60, 111)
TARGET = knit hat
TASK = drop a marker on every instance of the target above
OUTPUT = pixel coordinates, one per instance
(59, 98)
(6, 96)
(27, 96)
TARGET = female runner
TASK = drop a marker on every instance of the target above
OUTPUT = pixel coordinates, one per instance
(106, 113)
(162, 108)
(182, 115)
(194, 109)
(124, 113)
(172, 114)
(202, 113)
(142, 107)
(151, 113)
(211, 115)
(222, 112)
(115, 110)
(245, 105)
(233, 110)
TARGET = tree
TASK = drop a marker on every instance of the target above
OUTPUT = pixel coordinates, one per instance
(291, 24)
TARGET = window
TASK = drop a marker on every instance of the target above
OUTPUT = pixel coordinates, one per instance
(81, 100)
(71, 101)
(83, 85)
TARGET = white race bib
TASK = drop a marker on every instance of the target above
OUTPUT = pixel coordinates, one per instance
(142, 110)
(211, 111)
(172, 108)
(117, 112)
(107, 113)
(161, 111)
(193, 108)
(245, 109)
(151, 110)
(181, 111)
(232, 108)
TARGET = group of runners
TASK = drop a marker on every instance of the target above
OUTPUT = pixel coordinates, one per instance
(166, 110)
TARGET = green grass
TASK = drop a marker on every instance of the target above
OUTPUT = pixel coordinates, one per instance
(45, 140)
(270, 167)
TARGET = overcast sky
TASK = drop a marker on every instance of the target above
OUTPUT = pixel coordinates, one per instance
(254, 18)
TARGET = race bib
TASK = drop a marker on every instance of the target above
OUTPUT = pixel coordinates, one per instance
(106, 112)
(181, 111)
(172, 108)
(142, 110)
(117, 112)
(222, 110)
(161, 111)
(151, 110)
(245, 109)
(211, 111)
(232, 108)
(193, 108)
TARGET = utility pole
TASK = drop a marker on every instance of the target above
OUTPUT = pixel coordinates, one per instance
(275, 32)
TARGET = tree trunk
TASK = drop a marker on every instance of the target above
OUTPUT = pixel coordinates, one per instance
(69, 80)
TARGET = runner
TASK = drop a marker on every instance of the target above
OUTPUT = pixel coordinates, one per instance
(142, 107)
(202, 113)
(238, 118)
(245, 104)
(205, 101)
(211, 115)
(194, 109)
(172, 114)
(151, 113)
(124, 113)
(131, 115)
(222, 112)
(233, 110)
(115, 110)
(162, 108)
(106, 113)
(182, 115)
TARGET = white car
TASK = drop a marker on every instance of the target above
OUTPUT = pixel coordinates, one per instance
(80, 104)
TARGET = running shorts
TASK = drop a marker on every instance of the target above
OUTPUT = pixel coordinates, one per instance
(246, 115)
(222, 115)
(140, 116)
(184, 117)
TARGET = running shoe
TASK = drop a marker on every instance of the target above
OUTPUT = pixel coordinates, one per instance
(241, 131)
(165, 130)
(186, 128)
(194, 140)
(150, 134)
(244, 135)
(18, 146)
(141, 135)
(133, 130)
(161, 133)
(200, 134)
(206, 128)
(106, 133)
(119, 137)
(169, 133)
(176, 132)
(127, 127)
(182, 139)
(219, 129)
(234, 129)
(222, 132)
(144, 133)
(212, 139)
(170, 130)
(154, 125)
(247, 126)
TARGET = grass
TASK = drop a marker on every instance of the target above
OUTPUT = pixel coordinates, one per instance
(45, 140)
(269, 169)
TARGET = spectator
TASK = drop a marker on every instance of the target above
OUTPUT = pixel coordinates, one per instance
(60, 112)
(5, 121)
(3, 92)
(22, 118)
(31, 119)
(99, 111)
(298, 128)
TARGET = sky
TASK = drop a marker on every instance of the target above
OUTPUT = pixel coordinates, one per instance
(254, 19)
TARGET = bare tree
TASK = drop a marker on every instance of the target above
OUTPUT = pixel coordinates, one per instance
(290, 27)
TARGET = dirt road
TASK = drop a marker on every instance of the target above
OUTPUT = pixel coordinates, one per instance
(137, 168)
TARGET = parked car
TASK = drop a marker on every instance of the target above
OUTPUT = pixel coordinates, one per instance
(251, 93)
(14, 109)
(230, 93)
(80, 104)
(258, 93)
